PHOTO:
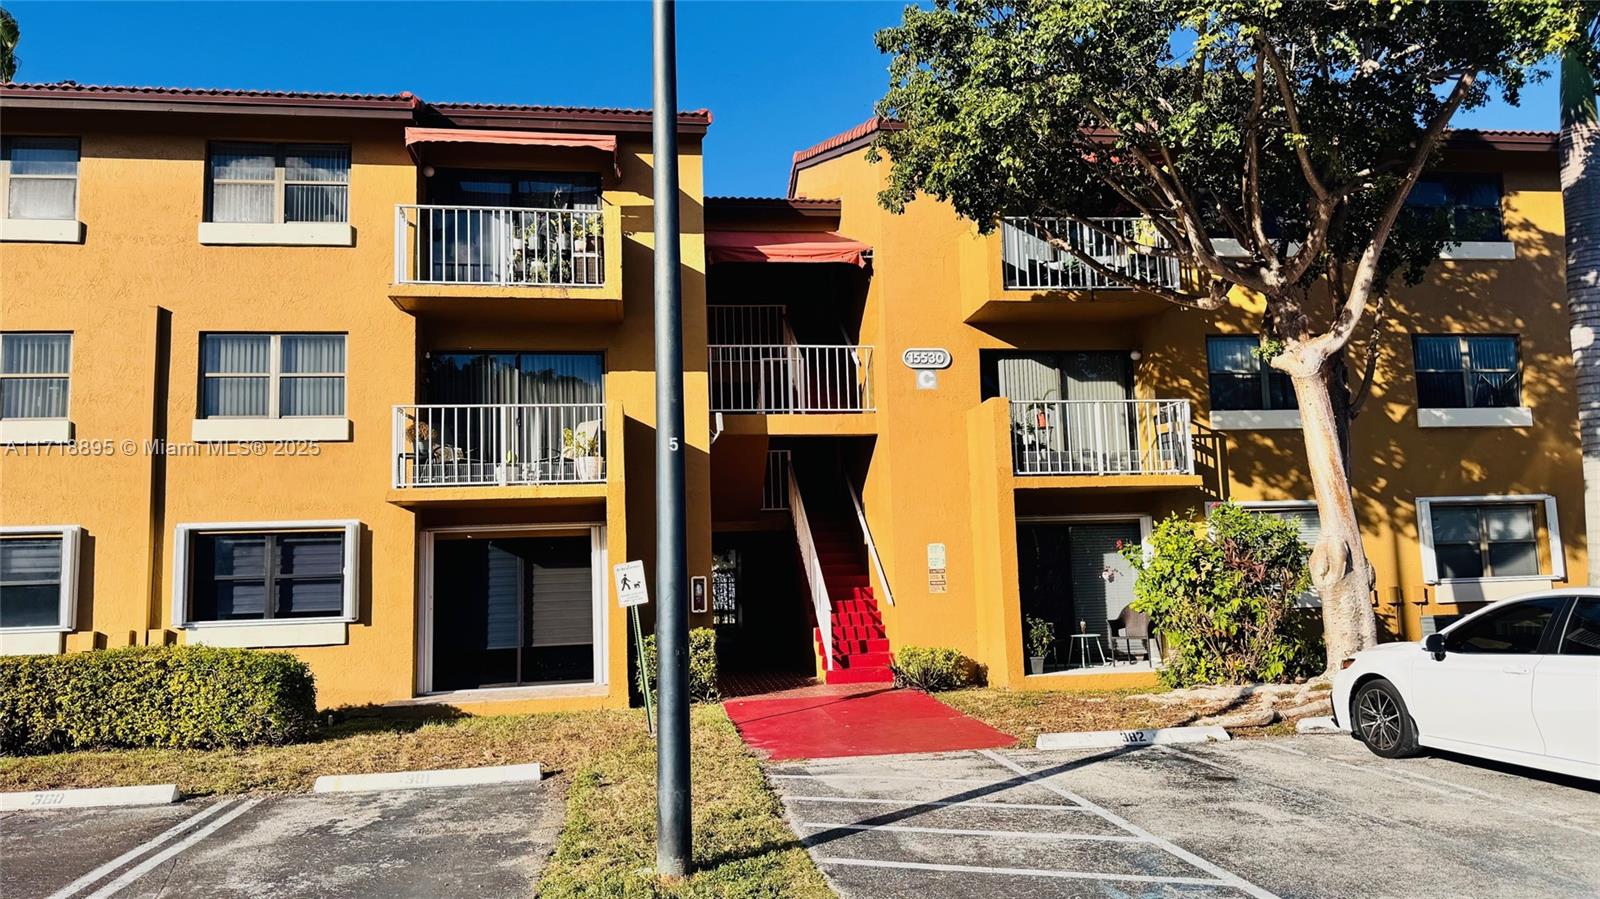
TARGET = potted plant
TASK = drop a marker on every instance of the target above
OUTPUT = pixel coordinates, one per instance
(582, 446)
(1040, 637)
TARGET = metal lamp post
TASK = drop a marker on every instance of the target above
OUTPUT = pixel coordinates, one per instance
(672, 613)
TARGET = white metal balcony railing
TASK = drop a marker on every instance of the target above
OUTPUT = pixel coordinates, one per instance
(499, 246)
(775, 485)
(780, 378)
(1099, 437)
(1031, 262)
(490, 445)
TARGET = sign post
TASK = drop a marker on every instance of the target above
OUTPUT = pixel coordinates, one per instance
(632, 592)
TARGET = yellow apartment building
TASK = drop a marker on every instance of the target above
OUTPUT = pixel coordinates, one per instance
(370, 379)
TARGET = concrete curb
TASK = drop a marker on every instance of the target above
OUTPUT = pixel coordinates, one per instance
(1156, 736)
(419, 780)
(1321, 725)
(94, 797)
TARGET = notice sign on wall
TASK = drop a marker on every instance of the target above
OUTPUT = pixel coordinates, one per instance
(937, 582)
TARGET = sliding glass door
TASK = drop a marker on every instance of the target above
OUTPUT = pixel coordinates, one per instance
(512, 611)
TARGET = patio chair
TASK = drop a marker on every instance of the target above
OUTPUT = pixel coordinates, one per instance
(1131, 635)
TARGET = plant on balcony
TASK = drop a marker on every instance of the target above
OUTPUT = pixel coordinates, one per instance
(582, 446)
(1295, 131)
(1041, 637)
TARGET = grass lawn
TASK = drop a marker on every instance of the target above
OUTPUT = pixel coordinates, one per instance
(1026, 714)
(607, 845)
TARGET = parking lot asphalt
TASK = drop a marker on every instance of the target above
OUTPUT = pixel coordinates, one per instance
(470, 841)
(1310, 817)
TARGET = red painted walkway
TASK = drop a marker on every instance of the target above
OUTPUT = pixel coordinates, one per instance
(856, 719)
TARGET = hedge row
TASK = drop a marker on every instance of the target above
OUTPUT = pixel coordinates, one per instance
(702, 665)
(195, 697)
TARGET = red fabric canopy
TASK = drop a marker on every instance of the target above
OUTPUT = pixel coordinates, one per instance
(784, 246)
(606, 143)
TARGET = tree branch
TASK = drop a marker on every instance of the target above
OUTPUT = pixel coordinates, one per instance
(1292, 112)
(1366, 273)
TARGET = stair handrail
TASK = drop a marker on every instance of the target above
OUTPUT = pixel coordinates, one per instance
(872, 548)
(813, 568)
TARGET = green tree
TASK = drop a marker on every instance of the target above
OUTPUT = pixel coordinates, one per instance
(1294, 129)
(10, 34)
(1580, 201)
(1222, 594)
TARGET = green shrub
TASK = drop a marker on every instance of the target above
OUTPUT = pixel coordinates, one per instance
(1221, 595)
(932, 668)
(702, 664)
(191, 697)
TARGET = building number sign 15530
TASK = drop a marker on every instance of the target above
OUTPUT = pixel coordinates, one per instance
(926, 358)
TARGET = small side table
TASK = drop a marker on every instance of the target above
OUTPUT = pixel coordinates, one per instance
(1082, 642)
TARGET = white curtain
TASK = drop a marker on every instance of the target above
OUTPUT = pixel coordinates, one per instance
(242, 182)
(44, 178)
(316, 184)
(34, 354)
(313, 375)
(229, 356)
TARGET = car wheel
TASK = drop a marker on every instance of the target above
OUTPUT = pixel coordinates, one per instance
(1379, 718)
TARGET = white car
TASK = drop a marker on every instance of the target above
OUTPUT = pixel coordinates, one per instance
(1517, 681)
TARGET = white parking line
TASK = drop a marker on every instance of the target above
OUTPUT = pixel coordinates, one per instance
(1029, 872)
(958, 832)
(964, 803)
(151, 863)
(94, 876)
(1222, 874)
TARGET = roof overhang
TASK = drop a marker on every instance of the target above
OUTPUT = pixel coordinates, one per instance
(216, 102)
(785, 246)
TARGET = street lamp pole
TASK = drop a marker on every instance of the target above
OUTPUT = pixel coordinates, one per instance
(672, 565)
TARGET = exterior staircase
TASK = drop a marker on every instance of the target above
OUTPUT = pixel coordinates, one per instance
(860, 643)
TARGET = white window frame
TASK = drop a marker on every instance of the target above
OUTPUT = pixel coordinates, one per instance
(38, 430)
(67, 230)
(280, 180)
(273, 425)
(1430, 562)
(600, 573)
(182, 588)
(71, 537)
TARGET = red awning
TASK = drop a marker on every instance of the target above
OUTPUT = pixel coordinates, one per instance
(606, 143)
(784, 246)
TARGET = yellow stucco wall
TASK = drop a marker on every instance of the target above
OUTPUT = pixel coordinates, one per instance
(940, 470)
(141, 272)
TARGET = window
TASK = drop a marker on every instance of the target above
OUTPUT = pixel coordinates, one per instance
(272, 375)
(34, 375)
(1240, 380)
(1459, 372)
(288, 572)
(522, 190)
(41, 175)
(1490, 540)
(1466, 206)
(1515, 628)
(278, 183)
(38, 578)
(1583, 629)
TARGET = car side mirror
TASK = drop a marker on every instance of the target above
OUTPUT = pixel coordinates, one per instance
(1434, 643)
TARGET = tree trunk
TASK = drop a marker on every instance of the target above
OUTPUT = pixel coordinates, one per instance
(1580, 197)
(1339, 566)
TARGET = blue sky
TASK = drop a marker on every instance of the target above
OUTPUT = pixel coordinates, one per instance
(778, 76)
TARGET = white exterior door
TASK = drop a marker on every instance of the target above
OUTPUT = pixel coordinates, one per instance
(1566, 689)
(1481, 692)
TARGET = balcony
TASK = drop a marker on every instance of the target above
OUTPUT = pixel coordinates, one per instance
(1106, 438)
(1018, 276)
(501, 445)
(472, 260)
(1032, 262)
(800, 388)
